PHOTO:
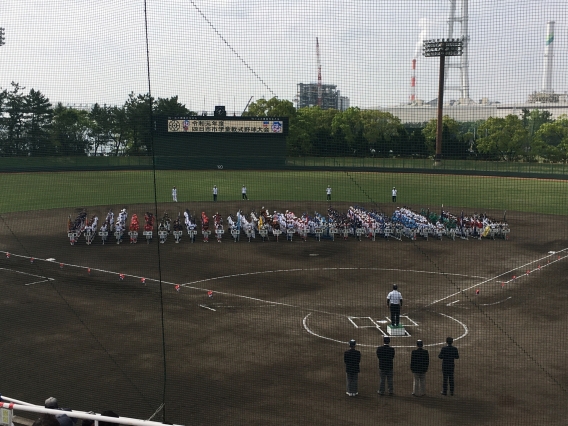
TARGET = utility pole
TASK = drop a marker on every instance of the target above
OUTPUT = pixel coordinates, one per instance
(441, 48)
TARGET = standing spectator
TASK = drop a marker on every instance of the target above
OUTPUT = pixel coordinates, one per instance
(63, 419)
(394, 303)
(352, 358)
(215, 192)
(394, 194)
(385, 354)
(244, 192)
(175, 194)
(328, 193)
(419, 362)
(448, 354)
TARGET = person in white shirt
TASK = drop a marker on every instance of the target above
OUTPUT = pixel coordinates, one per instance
(244, 192)
(215, 192)
(394, 303)
(328, 193)
(394, 194)
(175, 194)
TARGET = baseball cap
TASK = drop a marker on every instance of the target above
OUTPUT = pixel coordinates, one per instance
(51, 402)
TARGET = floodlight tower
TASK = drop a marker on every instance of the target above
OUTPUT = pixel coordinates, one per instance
(463, 64)
(319, 71)
(441, 48)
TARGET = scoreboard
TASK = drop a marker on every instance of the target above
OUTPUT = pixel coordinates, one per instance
(198, 142)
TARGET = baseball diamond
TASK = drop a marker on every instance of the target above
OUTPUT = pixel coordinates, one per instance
(253, 329)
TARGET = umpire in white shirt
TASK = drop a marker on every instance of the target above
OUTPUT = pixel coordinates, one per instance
(394, 303)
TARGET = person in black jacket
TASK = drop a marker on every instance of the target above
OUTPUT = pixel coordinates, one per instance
(386, 356)
(448, 354)
(352, 358)
(419, 362)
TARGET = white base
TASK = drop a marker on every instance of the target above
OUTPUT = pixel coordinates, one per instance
(396, 331)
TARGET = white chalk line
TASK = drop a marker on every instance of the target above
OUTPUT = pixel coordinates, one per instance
(45, 279)
(495, 303)
(307, 328)
(504, 273)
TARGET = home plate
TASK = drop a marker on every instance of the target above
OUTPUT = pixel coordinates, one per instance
(207, 307)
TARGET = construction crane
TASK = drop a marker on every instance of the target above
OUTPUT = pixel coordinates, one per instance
(319, 71)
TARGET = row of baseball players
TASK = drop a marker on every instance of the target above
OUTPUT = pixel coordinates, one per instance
(245, 197)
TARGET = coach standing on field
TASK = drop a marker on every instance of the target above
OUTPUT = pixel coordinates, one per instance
(394, 303)
(448, 354)
(352, 358)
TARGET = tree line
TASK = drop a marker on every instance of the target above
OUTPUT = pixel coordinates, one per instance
(31, 126)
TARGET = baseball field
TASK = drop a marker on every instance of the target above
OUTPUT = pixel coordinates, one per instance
(267, 347)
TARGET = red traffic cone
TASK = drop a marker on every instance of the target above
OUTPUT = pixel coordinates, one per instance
(143, 280)
(177, 287)
(121, 277)
(210, 293)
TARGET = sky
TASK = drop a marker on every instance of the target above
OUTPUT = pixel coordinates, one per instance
(225, 52)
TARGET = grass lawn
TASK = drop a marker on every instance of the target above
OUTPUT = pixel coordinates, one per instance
(36, 191)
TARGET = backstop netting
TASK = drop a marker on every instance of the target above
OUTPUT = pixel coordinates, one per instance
(203, 203)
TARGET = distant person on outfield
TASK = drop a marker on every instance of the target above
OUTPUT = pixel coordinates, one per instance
(175, 194)
(215, 192)
(352, 358)
(419, 362)
(448, 354)
(394, 192)
(394, 303)
(385, 354)
(328, 193)
(244, 192)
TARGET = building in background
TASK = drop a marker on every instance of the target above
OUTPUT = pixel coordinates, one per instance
(331, 98)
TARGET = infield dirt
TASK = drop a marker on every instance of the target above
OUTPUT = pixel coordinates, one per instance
(267, 348)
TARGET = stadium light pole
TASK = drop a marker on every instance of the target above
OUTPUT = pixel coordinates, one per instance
(441, 48)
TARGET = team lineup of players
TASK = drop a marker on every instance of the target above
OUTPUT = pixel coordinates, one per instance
(356, 221)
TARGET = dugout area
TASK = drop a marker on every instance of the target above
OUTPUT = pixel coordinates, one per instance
(231, 143)
(268, 345)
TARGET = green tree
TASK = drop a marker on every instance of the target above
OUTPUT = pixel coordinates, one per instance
(37, 124)
(139, 117)
(554, 138)
(171, 108)
(450, 135)
(382, 132)
(505, 138)
(70, 131)
(14, 142)
(273, 107)
(348, 125)
(312, 134)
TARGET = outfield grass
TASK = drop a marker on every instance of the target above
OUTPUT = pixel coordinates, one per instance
(36, 191)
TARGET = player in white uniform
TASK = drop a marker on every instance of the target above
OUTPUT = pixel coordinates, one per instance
(394, 302)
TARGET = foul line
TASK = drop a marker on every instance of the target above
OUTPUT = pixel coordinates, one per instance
(500, 275)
